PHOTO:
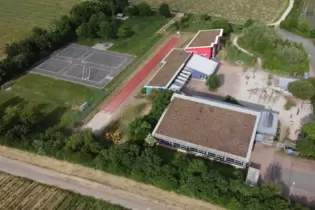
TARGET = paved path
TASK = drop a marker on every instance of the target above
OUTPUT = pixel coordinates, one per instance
(284, 15)
(79, 185)
(308, 45)
(177, 17)
(137, 79)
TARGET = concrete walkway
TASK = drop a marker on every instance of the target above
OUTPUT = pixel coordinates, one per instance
(284, 15)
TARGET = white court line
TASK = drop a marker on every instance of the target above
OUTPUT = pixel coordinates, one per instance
(58, 54)
(124, 59)
(65, 73)
(39, 67)
(102, 70)
(68, 80)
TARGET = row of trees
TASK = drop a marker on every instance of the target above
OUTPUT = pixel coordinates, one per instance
(293, 22)
(24, 53)
(281, 56)
(203, 179)
(306, 143)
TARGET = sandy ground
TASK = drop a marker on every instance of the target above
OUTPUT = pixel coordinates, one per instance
(251, 86)
(116, 182)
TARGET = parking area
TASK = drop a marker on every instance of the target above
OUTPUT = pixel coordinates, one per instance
(281, 168)
(256, 88)
(84, 65)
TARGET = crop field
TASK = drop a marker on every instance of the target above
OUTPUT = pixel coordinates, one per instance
(18, 17)
(234, 10)
(20, 193)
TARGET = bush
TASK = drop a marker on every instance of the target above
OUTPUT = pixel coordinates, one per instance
(124, 32)
(165, 10)
(304, 27)
(289, 104)
(132, 11)
(222, 23)
(302, 89)
(213, 82)
(144, 9)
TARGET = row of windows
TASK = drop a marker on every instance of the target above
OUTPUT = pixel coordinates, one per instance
(205, 153)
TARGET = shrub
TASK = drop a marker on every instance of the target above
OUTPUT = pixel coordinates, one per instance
(289, 104)
(132, 11)
(222, 23)
(144, 9)
(304, 27)
(165, 10)
(302, 89)
(213, 82)
(124, 32)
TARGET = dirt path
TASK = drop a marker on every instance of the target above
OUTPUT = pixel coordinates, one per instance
(74, 171)
(178, 16)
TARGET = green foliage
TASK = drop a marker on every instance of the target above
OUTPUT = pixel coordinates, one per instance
(248, 23)
(222, 23)
(306, 144)
(138, 129)
(124, 32)
(302, 89)
(144, 9)
(105, 30)
(304, 27)
(165, 10)
(84, 20)
(132, 11)
(213, 82)
(281, 56)
(203, 179)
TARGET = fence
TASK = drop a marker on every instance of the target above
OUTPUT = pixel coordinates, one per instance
(96, 99)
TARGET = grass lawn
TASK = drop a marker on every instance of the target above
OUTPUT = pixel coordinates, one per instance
(143, 39)
(51, 93)
(234, 10)
(231, 54)
(18, 17)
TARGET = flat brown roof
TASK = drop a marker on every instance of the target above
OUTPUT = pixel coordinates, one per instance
(207, 125)
(205, 38)
(172, 64)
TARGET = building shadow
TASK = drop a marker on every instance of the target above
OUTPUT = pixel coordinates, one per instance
(222, 78)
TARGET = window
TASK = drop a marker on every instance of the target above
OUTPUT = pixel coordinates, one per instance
(203, 77)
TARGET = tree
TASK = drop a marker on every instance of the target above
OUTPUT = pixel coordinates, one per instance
(302, 89)
(248, 23)
(93, 26)
(83, 30)
(165, 10)
(213, 82)
(144, 9)
(81, 13)
(222, 23)
(105, 30)
(205, 17)
(124, 32)
(312, 33)
(139, 129)
(132, 11)
(304, 27)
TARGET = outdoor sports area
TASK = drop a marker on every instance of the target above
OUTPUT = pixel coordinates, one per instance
(234, 10)
(84, 65)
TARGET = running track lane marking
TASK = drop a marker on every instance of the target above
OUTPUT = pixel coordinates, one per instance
(137, 79)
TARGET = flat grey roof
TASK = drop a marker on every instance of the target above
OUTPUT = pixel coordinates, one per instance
(213, 124)
(171, 65)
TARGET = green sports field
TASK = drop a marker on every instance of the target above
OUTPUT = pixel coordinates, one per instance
(18, 17)
(51, 94)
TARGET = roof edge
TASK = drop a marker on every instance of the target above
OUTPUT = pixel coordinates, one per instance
(212, 44)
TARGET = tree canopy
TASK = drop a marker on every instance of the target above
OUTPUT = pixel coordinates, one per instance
(302, 89)
(213, 82)
(165, 10)
(281, 56)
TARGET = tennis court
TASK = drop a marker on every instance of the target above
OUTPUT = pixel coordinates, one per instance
(84, 65)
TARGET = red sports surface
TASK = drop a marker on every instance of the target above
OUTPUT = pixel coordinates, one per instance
(118, 99)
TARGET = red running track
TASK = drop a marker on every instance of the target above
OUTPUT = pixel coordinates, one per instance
(139, 77)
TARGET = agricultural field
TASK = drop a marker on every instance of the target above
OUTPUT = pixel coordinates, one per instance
(52, 95)
(18, 17)
(20, 193)
(234, 10)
